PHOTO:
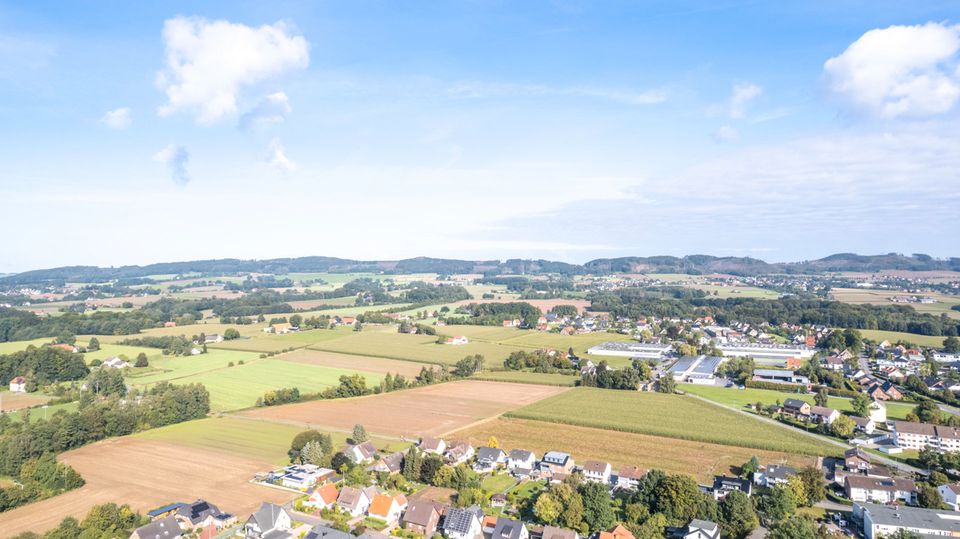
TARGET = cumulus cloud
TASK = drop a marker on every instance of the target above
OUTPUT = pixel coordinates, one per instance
(176, 158)
(743, 94)
(209, 62)
(726, 133)
(271, 109)
(117, 118)
(900, 70)
(277, 158)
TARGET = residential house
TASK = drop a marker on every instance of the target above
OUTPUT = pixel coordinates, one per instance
(165, 528)
(326, 532)
(464, 523)
(281, 328)
(18, 384)
(696, 529)
(457, 340)
(270, 521)
(387, 508)
(864, 424)
(922, 435)
(435, 446)
(773, 474)
(723, 485)
(521, 462)
(509, 529)
(202, 513)
(951, 495)
(857, 460)
(498, 500)
(421, 517)
(880, 489)
(323, 497)
(886, 520)
(553, 532)
(796, 407)
(556, 463)
(65, 346)
(824, 415)
(391, 464)
(303, 476)
(833, 363)
(212, 338)
(458, 452)
(489, 458)
(616, 532)
(597, 471)
(628, 477)
(355, 501)
(115, 363)
(363, 452)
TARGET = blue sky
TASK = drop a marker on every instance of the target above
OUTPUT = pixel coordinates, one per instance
(133, 133)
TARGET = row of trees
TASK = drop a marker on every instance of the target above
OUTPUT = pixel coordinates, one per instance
(42, 366)
(102, 521)
(39, 478)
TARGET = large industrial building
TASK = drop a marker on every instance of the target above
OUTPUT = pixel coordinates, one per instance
(630, 349)
(696, 369)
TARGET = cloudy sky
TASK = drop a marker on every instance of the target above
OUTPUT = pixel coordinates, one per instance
(138, 132)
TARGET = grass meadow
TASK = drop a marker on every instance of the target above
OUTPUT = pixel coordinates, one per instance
(670, 416)
(386, 342)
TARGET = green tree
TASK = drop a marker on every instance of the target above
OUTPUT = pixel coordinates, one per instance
(813, 485)
(359, 434)
(312, 453)
(667, 383)
(748, 468)
(300, 440)
(93, 345)
(861, 405)
(796, 527)
(547, 508)
(951, 345)
(779, 504)
(412, 462)
(142, 360)
(843, 426)
(822, 397)
(231, 334)
(598, 511)
(737, 516)
(679, 498)
(929, 497)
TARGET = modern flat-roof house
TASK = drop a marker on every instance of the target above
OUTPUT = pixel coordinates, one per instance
(884, 520)
(880, 489)
(556, 462)
(779, 377)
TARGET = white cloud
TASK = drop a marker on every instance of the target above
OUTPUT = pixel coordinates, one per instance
(277, 158)
(726, 133)
(900, 70)
(271, 109)
(743, 94)
(176, 158)
(209, 62)
(117, 118)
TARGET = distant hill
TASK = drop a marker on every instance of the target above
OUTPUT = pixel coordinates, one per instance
(692, 264)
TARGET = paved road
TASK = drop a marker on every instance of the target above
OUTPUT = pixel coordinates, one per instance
(886, 461)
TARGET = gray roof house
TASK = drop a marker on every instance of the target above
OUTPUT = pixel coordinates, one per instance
(463, 523)
(509, 529)
(489, 458)
(197, 513)
(164, 528)
(269, 522)
(326, 532)
(774, 474)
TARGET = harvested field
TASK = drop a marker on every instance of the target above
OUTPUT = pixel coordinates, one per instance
(147, 474)
(432, 410)
(15, 401)
(882, 297)
(435, 494)
(351, 362)
(699, 459)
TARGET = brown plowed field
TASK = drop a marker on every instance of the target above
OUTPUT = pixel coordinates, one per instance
(430, 411)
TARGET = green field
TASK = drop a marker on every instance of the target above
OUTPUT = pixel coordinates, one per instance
(178, 368)
(39, 413)
(672, 416)
(894, 336)
(116, 350)
(738, 398)
(236, 387)
(523, 377)
(268, 342)
(16, 346)
(256, 439)
(386, 342)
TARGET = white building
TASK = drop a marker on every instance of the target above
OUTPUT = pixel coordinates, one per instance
(884, 520)
(597, 471)
(951, 495)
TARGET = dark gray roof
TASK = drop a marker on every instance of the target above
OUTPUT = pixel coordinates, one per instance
(489, 454)
(507, 529)
(779, 471)
(266, 517)
(197, 511)
(721, 482)
(459, 520)
(326, 532)
(913, 517)
(520, 454)
(165, 528)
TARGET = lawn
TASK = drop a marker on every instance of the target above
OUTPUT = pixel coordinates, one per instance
(498, 483)
(894, 336)
(738, 398)
(523, 377)
(236, 387)
(386, 342)
(672, 416)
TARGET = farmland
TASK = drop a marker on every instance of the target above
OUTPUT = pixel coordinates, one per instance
(894, 336)
(147, 474)
(550, 379)
(699, 459)
(15, 401)
(386, 342)
(268, 342)
(431, 410)
(671, 416)
(881, 297)
(738, 398)
(352, 362)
